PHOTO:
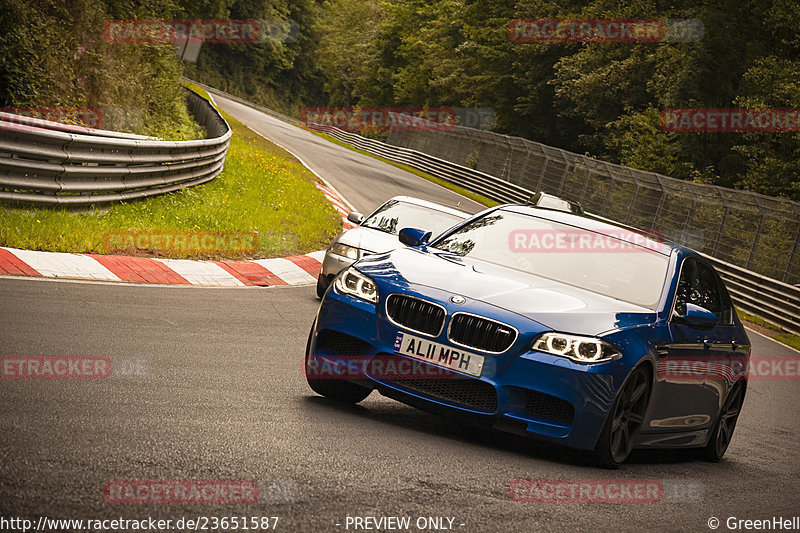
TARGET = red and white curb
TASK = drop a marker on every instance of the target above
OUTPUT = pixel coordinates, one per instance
(337, 203)
(295, 270)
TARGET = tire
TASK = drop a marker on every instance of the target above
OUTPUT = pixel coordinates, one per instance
(624, 420)
(726, 423)
(335, 389)
(322, 285)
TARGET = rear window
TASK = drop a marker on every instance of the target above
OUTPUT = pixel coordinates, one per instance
(395, 215)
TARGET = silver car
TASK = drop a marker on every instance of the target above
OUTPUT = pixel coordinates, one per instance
(377, 233)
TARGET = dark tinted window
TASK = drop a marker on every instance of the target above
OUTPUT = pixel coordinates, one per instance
(394, 215)
(726, 312)
(699, 285)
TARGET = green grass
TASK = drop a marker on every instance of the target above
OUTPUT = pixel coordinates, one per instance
(262, 189)
(446, 184)
(775, 332)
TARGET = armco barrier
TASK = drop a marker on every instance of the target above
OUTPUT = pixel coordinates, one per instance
(772, 300)
(48, 163)
(757, 232)
(265, 110)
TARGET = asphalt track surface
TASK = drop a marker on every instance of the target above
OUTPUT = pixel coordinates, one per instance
(219, 394)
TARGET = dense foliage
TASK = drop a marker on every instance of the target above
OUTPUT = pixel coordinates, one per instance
(53, 55)
(603, 99)
(598, 98)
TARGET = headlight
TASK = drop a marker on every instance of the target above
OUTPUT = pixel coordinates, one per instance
(579, 349)
(354, 283)
(349, 252)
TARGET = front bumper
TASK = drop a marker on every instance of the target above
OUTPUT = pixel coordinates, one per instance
(520, 391)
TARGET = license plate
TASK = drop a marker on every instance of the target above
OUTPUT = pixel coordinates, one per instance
(438, 354)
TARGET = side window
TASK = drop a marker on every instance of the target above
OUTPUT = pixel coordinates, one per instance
(709, 289)
(686, 285)
(699, 285)
(726, 313)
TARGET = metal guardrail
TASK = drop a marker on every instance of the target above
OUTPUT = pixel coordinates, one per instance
(48, 163)
(265, 110)
(774, 301)
(472, 180)
(756, 232)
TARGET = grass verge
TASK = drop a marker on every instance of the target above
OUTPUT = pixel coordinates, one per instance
(262, 189)
(446, 184)
(770, 330)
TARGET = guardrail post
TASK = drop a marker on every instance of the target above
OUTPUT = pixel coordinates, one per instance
(564, 179)
(687, 219)
(585, 185)
(541, 174)
(787, 274)
(755, 240)
(720, 230)
(633, 202)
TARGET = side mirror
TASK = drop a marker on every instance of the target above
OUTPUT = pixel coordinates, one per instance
(414, 236)
(355, 217)
(699, 317)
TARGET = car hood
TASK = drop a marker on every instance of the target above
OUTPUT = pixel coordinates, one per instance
(555, 305)
(369, 239)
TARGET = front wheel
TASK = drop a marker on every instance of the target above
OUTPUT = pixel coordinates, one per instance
(335, 389)
(625, 420)
(726, 423)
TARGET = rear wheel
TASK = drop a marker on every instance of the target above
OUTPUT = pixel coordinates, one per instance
(726, 423)
(335, 389)
(625, 420)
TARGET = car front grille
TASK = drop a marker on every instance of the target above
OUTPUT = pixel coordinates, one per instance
(470, 393)
(415, 314)
(548, 408)
(481, 333)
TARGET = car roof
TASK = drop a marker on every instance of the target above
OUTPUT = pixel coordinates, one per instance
(541, 199)
(430, 205)
(589, 223)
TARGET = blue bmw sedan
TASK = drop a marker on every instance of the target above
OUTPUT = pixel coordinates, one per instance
(542, 323)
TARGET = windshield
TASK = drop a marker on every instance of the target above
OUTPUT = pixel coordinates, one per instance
(605, 263)
(395, 215)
